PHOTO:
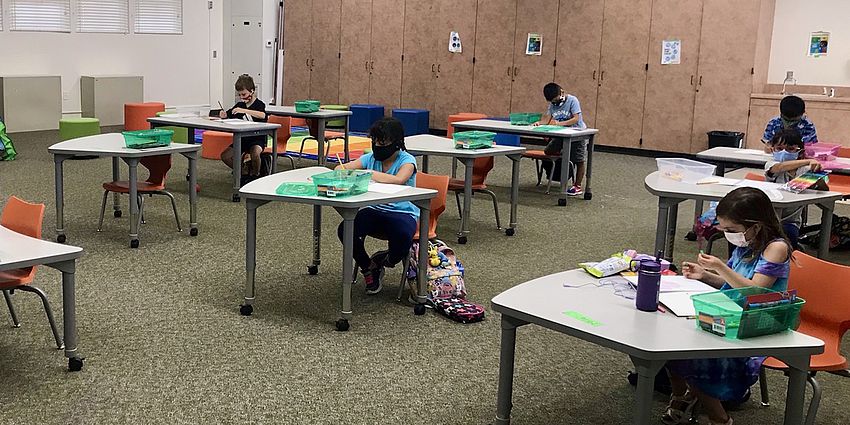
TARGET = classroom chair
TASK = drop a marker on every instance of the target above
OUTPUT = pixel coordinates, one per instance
(825, 316)
(136, 114)
(214, 143)
(283, 135)
(71, 128)
(461, 116)
(158, 167)
(313, 127)
(843, 152)
(480, 169)
(25, 218)
(336, 122)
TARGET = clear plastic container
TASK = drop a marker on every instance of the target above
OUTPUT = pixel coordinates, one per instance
(307, 106)
(154, 138)
(684, 170)
(722, 313)
(340, 183)
(525, 118)
(473, 139)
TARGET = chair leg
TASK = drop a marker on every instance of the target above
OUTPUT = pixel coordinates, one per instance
(291, 161)
(765, 400)
(815, 403)
(457, 199)
(538, 166)
(495, 206)
(405, 264)
(15, 322)
(102, 210)
(141, 210)
(549, 182)
(173, 207)
(48, 311)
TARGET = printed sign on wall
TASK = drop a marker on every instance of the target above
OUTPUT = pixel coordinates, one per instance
(534, 46)
(818, 44)
(671, 52)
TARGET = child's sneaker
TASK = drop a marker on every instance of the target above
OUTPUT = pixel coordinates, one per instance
(372, 279)
(574, 191)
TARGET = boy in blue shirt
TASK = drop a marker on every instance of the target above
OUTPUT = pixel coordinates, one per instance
(565, 110)
(396, 222)
(792, 110)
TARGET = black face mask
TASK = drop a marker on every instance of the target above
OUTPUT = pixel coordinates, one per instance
(382, 153)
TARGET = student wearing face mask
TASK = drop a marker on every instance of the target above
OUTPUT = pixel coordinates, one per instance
(792, 114)
(564, 110)
(396, 222)
(761, 257)
(789, 161)
(252, 109)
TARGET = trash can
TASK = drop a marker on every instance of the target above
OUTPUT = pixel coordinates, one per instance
(726, 139)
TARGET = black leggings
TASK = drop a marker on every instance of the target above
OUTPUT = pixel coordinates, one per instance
(396, 227)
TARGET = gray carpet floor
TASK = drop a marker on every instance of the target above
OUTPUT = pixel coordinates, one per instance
(164, 342)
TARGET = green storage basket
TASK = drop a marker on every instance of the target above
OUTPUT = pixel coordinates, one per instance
(473, 139)
(341, 183)
(142, 139)
(525, 118)
(722, 313)
(307, 106)
(296, 189)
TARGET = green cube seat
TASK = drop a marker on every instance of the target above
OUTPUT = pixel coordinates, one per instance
(71, 128)
(337, 122)
(181, 134)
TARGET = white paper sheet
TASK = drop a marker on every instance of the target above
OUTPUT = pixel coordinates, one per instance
(235, 121)
(723, 181)
(678, 284)
(771, 189)
(178, 115)
(679, 303)
(754, 152)
(388, 189)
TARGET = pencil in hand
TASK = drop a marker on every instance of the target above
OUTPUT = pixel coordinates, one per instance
(341, 164)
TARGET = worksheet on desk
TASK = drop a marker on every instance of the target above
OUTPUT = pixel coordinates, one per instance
(678, 284)
(235, 121)
(388, 189)
(679, 303)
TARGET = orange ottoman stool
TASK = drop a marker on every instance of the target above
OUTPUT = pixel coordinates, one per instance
(462, 116)
(214, 143)
(136, 114)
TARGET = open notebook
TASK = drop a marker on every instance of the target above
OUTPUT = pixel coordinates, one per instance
(676, 293)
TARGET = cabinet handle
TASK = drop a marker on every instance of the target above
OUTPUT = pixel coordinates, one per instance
(509, 71)
(594, 75)
(366, 64)
(700, 81)
(312, 62)
(516, 70)
(372, 65)
(602, 76)
(692, 80)
(438, 68)
(308, 62)
(432, 68)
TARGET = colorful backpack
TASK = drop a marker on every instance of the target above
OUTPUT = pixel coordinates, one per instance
(446, 287)
(7, 149)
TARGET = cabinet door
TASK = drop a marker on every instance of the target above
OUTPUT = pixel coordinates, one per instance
(532, 72)
(419, 67)
(669, 107)
(297, 22)
(354, 44)
(622, 76)
(726, 58)
(578, 51)
(453, 85)
(385, 65)
(492, 72)
(324, 61)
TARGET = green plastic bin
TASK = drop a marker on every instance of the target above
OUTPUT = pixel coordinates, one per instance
(473, 139)
(525, 118)
(142, 139)
(341, 183)
(722, 313)
(307, 106)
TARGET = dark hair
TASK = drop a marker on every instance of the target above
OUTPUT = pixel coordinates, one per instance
(789, 137)
(388, 129)
(792, 107)
(245, 82)
(750, 206)
(551, 91)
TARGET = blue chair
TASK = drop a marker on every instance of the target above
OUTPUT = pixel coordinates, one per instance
(415, 121)
(363, 116)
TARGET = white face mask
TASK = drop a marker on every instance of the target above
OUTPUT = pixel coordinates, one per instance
(737, 239)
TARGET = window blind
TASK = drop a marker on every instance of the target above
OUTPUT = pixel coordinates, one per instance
(110, 16)
(159, 17)
(40, 15)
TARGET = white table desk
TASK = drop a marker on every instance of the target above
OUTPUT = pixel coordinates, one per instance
(322, 117)
(671, 192)
(569, 135)
(239, 131)
(262, 191)
(724, 157)
(112, 145)
(428, 145)
(18, 251)
(597, 315)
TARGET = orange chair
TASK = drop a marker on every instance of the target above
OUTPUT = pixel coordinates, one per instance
(283, 135)
(158, 167)
(313, 127)
(25, 218)
(825, 316)
(214, 143)
(461, 116)
(843, 152)
(136, 114)
(480, 168)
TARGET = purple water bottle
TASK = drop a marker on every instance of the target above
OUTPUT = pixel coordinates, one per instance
(649, 285)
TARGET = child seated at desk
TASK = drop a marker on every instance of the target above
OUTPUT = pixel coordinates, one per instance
(252, 109)
(789, 161)
(792, 110)
(761, 258)
(394, 222)
(564, 110)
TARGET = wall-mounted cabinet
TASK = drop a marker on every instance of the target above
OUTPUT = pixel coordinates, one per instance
(311, 60)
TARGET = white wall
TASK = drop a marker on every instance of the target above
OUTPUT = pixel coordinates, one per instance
(794, 21)
(176, 68)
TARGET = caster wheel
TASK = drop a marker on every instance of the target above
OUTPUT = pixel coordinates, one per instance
(235, 198)
(510, 231)
(116, 213)
(461, 240)
(313, 270)
(419, 309)
(134, 243)
(75, 364)
(691, 236)
(193, 232)
(562, 202)
(187, 177)
(342, 325)
(60, 238)
(588, 196)
(246, 309)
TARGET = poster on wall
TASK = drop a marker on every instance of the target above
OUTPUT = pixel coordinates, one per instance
(534, 46)
(671, 52)
(818, 44)
(454, 43)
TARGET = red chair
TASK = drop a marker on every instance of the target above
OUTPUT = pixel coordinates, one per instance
(825, 316)
(480, 168)
(24, 218)
(313, 127)
(283, 135)
(158, 167)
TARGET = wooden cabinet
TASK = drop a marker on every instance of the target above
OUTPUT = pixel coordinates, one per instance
(670, 89)
(354, 51)
(532, 72)
(324, 56)
(493, 70)
(419, 65)
(297, 22)
(385, 62)
(622, 76)
(578, 52)
(453, 75)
